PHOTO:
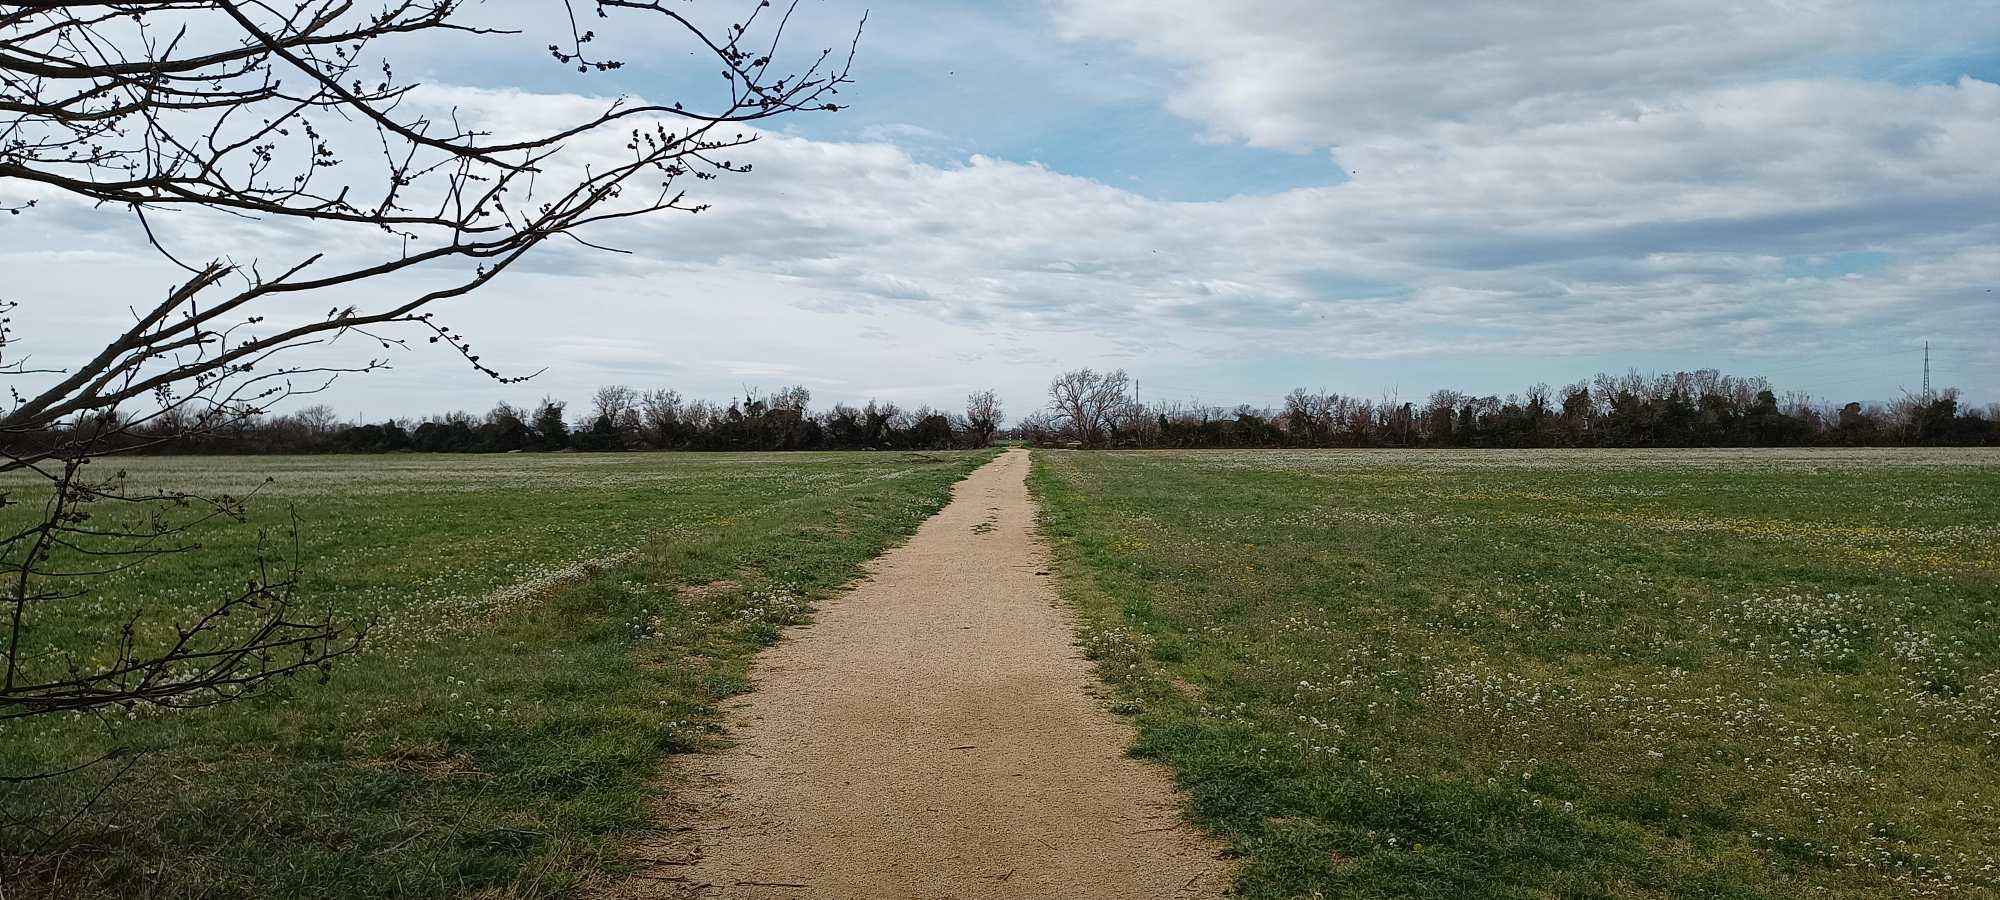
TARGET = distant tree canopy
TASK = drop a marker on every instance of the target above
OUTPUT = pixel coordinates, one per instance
(1096, 409)
(1683, 409)
(618, 418)
(983, 416)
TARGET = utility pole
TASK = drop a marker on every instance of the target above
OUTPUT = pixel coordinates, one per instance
(1927, 372)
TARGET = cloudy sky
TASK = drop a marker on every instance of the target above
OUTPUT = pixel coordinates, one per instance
(1231, 199)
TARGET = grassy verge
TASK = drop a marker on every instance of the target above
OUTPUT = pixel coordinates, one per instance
(491, 741)
(1502, 675)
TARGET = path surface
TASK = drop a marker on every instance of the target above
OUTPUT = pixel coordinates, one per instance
(933, 735)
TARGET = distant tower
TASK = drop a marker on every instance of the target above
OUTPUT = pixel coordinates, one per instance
(1927, 372)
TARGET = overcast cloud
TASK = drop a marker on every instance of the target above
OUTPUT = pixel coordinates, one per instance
(1234, 198)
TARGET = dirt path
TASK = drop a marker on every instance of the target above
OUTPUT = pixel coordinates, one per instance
(933, 735)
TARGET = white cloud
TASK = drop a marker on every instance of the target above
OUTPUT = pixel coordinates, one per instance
(1302, 73)
(1631, 178)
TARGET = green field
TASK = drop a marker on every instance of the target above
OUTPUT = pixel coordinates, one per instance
(1757, 674)
(534, 656)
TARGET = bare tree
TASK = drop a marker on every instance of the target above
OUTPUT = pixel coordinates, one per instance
(611, 402)
(317, 420)
(291, 115)
(630, 422)
(1085, 402)
(662, 411)
(1038, 428)
(1310, 416)
(792, 398)
(507, 415)
(983, 416)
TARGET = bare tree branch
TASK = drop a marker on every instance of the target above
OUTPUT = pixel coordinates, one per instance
(289, 115)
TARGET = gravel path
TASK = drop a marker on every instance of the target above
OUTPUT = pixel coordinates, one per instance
(934, 734)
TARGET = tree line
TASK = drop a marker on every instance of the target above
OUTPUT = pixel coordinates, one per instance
(1089, 408)
(1703, 408)
(617, 418)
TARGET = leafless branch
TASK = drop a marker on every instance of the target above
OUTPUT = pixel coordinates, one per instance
(290, 115)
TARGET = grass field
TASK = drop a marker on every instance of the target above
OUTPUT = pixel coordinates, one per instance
(535, 655)
(1549, 674)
